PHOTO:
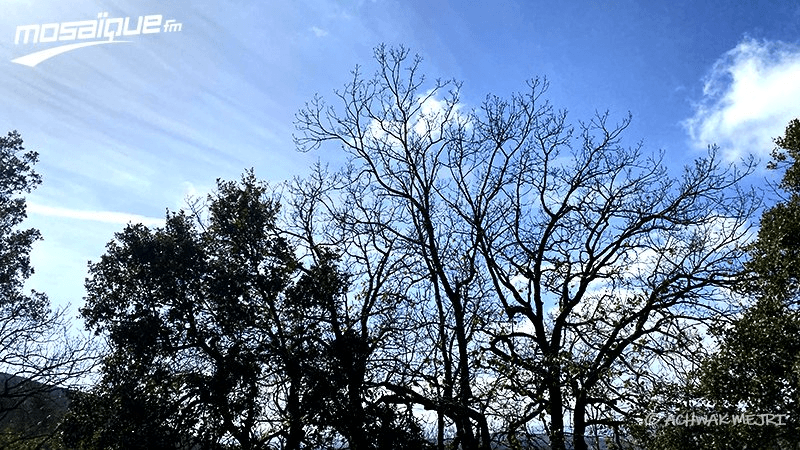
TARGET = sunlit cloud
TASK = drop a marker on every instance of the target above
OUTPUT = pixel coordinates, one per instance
(95, 216)
(750, 95)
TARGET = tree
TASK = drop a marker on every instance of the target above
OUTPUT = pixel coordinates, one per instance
(361, 326)
(776, 253)
(219, 336)
(757, 367)
(38, 355)
(556, 270)
(390, 217)
(189, 313)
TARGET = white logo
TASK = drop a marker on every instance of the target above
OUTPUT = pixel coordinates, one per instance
(95, 32)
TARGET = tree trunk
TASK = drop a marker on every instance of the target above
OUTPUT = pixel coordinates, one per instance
(556, 407)
(296, 433)
(465, 394)
(355, 409)
(579, 425)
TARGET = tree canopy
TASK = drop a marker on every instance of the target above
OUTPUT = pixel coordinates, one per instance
(558, 270)
(38, 356)
(757, 368)
(220, 336)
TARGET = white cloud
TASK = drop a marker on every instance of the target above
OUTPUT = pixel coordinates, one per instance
(750, 95)
(95, 216)
(426, 123)
(319, 32)
(432, 113)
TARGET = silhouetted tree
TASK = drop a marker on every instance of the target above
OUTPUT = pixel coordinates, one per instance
(190, 312)
(554, 273)
(361, 327)
(222, 334)
(39, 357)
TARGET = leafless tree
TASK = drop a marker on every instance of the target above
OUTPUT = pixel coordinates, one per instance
(545, 265)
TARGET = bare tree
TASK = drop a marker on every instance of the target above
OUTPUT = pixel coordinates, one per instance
(550, 267)
(391, 192)
(608, 269)
(377, 321)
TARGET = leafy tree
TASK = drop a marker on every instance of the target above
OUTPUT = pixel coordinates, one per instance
(38, 355)
(220, 337)
(550, 273)
(189, 314)
(775, 256)
(757, 367)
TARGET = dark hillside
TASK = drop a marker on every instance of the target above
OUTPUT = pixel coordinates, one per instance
(29, 409)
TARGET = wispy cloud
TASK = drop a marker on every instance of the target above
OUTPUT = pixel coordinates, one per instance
(95, 216)
(319, 32)
(750, 95)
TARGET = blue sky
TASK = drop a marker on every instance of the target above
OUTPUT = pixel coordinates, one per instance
(126, 131)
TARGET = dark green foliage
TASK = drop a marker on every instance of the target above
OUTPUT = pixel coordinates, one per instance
(787, 154)
(218, 337)
(758, 371)
(37, 357)
(776, 253)
(757, 368)
(122, 416)
(189, 312)
(21, 314)
(17, 177)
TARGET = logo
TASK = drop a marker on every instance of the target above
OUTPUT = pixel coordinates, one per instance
(101, 31)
